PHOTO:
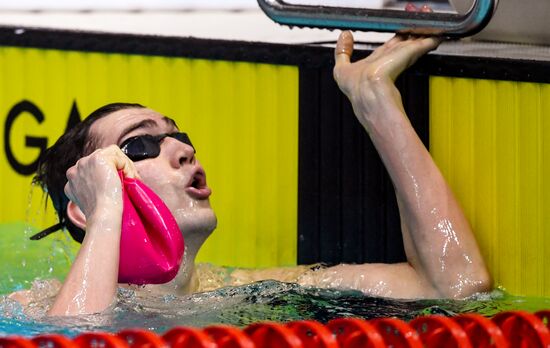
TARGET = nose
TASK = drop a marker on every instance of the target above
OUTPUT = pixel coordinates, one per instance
(179, 153)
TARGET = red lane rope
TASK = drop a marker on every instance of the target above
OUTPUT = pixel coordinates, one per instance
(523, 329)
(352, 333)
(313, 334)
(482, 332)
(186, 337)
(229, 337)
(16, 342)
(505, 330)
(439, 331)
(138, 338)
(273, 335)
(397, 333)
(100, 340)
(54, 341)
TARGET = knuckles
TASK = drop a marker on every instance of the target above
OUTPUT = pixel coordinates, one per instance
(99, 157)
(71, 172)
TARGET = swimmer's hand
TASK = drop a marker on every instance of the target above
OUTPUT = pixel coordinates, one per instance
(95, 190)
(369, 83)
(93, 182)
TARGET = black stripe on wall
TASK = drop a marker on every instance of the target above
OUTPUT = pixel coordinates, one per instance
(347, 210)
(305, 55)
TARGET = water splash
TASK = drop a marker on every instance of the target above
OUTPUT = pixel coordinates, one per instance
(240, 306)
(24, 260)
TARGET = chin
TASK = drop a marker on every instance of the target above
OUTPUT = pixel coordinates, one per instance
(198, 224)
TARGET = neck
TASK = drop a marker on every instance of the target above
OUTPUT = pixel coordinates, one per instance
(186, 282)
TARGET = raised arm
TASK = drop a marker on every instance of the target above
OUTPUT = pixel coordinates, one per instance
(442, 254)
(94, 189)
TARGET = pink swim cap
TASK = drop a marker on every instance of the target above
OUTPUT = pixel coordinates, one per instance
(151, 243)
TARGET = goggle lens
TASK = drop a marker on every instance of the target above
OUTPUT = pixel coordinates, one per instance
(148, 146)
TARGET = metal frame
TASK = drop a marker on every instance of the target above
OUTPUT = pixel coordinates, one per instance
(448, 24)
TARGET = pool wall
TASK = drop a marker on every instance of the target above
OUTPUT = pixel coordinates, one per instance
(491, 139)
(295, 178)
(242, 117)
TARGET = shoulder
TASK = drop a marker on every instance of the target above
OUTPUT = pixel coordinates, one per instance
(289, 274)
(212, 277)
(40, 289)
(373, 279)
(37, 300)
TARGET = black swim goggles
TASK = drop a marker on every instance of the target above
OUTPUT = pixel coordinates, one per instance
(148, 146)
(136, 148)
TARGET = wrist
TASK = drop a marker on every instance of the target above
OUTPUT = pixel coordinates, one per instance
(105, 217)
(378, 105)
(106, 206)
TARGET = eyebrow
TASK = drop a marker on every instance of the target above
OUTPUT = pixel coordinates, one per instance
(147, 123)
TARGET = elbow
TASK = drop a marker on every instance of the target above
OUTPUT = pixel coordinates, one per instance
(484, 282)
(472, 284)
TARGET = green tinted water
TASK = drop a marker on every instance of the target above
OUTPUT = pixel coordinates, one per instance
(240, 306)
(25, 261)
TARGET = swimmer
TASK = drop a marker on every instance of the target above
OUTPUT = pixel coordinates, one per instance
(79, 173)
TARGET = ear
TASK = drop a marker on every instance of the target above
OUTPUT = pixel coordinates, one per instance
(76, 215)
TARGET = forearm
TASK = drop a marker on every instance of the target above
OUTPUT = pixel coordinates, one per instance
(438, 239)
(91, 284)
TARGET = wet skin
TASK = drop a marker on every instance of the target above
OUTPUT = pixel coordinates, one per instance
(175, 175)
(443, 259)
(94, 189)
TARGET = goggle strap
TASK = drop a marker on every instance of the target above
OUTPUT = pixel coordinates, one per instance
(47, 231)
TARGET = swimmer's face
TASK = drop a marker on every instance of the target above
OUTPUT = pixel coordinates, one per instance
(175, 174)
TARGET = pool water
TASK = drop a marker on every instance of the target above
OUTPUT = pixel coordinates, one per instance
(24, 261)
(240, 306)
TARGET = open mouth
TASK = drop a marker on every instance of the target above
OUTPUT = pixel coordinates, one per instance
(197, 187)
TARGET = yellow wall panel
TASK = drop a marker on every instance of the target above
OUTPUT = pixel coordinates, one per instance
(491, 140)
(242, 118)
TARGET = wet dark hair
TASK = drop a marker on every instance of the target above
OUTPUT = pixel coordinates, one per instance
(57, 159)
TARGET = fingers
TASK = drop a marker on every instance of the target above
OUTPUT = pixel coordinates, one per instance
(432, 42)
(405, 54)
(422, 45)
(387, 61)
(67, 189)
(344, 48)
(342, 56)
(122, 162)
(426, 9)
(112, 156)
(94, 179)
(380, 51)
(410, 7)
(100, 165)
